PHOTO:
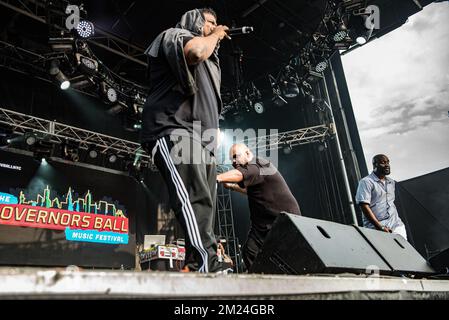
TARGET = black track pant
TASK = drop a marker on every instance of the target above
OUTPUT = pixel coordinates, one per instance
(192, 190)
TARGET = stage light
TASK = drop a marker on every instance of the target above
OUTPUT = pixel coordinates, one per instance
(259, 107)
(340, 35)
(93, 154)
(6, 133)
(111, 94)
(86, 64)
(108, 92)
(290, 89)
(65, 83)
(85, 29)
(112, 158)
(30, 138)
(137, 126)
(287, 150)
(136, 162)
(339, 31)
(321, 66)
(59, 76)
(361, 40)
(44, 162)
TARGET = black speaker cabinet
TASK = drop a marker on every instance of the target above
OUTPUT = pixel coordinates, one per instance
(441, 261)
(300, 245)
(397, 252)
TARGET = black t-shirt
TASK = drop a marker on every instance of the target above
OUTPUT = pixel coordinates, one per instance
(167, 108)
(268, 193)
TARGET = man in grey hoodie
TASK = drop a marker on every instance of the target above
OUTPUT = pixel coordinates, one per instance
(181, 111)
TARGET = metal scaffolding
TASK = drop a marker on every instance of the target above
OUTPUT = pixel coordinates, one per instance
(58, 133)
(37, 10)
(226, 223)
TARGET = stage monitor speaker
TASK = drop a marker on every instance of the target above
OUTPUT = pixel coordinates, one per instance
(440, 261)
(397, 252)
(300, 245)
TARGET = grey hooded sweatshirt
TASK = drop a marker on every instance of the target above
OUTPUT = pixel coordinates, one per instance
(181, 94)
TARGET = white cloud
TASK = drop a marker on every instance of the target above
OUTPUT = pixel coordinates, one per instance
(399, 86)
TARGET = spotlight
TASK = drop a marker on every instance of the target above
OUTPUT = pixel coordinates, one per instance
(321, 66)
(59, 76)
(86, 64)
(340, 35)
(340, 32)
(290, 89)
(6, 133)
(30, 138)
(361, 40)
(108, 92)
(93, 154)
(259, 108)
(85, 29)
(65, 83)
(112, 158)
(137, 157)
(322, 147)
(111, 94)
(287, 150)
(137, 126)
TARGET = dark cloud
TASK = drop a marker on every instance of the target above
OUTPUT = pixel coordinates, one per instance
(407, 116)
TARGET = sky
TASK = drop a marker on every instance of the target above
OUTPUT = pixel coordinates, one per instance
(399, 88)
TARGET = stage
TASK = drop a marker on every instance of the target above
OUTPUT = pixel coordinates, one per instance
(37, 283)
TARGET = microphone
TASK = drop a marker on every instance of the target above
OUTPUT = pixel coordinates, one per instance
(241, 30)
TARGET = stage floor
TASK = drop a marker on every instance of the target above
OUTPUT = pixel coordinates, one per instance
(39, 283)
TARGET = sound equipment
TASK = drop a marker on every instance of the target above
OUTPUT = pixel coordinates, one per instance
(440, 261)
(397, 252)
(301, 245)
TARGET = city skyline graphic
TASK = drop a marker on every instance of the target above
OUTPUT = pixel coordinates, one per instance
(71, 202)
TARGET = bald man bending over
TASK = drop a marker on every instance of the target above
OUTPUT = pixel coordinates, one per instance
(267, 191)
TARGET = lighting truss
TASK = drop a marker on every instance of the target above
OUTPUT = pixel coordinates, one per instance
(59, 133)
(36, 9)
(291, 138)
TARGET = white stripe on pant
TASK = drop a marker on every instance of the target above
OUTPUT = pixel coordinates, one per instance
(189, 216)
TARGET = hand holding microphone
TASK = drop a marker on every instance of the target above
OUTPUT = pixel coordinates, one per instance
(221, 31)
(240, 30)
